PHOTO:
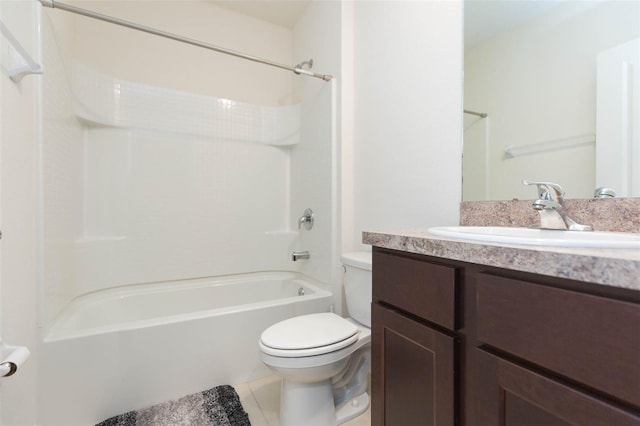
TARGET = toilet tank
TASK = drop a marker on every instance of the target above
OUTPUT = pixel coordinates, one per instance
(357, 285)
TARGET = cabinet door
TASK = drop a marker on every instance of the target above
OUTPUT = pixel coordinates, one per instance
(591, 339)
(512, 395)
(413, 372)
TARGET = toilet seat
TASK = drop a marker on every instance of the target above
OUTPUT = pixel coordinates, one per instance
(308, 335)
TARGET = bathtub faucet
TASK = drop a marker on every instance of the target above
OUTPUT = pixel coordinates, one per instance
(299, 255)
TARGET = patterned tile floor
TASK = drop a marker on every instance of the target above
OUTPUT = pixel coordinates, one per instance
(261, 400)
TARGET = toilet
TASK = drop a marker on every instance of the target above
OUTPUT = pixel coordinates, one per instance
(324, 359)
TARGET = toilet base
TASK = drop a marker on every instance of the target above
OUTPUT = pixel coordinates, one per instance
(309, 404)
(312, 404)
(352, 409)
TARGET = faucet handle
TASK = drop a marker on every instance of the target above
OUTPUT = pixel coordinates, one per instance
(548, 190)
(604, 192)
(307, 219)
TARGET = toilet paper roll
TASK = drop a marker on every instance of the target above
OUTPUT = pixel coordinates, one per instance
(14, 357)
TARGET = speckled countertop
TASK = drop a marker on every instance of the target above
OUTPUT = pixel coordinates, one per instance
(612, 267)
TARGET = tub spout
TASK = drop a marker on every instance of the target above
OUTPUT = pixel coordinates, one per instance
(299, 255)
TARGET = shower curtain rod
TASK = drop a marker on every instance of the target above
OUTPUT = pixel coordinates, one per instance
(84, 12)
(479, 114)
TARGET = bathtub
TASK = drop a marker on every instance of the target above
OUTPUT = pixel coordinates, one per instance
(126, 348)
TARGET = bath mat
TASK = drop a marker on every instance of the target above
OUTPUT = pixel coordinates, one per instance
(219, 406)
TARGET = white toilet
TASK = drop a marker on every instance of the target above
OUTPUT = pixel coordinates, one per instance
(324, 359)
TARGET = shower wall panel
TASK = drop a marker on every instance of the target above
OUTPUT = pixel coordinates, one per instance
(313, 183)
(162, 206)
(178, 185)
(314, 161)
(61, 179)
(144, 184)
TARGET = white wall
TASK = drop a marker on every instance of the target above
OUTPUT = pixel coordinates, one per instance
(144, 58)
(18, 253)
(346, 128)
(538, 84)
(407, 114)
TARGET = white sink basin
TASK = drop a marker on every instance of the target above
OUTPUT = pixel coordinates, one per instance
(540, 237)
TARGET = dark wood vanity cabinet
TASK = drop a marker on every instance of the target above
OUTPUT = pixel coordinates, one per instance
(414, 347)
(458, 343)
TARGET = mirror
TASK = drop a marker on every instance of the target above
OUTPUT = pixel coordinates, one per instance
(541, 71)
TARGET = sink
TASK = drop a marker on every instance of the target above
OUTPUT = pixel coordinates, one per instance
(540, 237)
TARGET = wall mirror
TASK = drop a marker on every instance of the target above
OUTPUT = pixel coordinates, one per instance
(559, 84)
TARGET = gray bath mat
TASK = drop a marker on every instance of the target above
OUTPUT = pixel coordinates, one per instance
(219, 406)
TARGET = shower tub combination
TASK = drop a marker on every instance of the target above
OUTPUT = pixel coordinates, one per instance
(135, 346)
(137, 147)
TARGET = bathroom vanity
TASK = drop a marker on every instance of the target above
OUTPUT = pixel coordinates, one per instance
(475, 334)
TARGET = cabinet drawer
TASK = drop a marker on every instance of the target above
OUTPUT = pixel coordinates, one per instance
(415, 286)
(591, 339)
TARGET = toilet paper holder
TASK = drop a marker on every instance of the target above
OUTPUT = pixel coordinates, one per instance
(12, 358)
(8, 368)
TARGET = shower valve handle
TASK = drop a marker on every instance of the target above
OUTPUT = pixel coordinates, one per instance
(307, 219)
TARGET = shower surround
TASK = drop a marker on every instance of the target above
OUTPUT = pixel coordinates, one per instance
(179, 185)
(144, 185)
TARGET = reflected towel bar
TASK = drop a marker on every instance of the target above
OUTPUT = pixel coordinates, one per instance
(512, 151)
(479, 114)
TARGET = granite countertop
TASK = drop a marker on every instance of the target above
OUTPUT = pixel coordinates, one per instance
(612, 267)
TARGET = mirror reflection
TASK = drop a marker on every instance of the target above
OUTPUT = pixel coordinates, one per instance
(559, 83)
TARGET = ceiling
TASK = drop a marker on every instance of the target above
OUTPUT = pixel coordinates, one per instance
(279, 12)
(484, 19)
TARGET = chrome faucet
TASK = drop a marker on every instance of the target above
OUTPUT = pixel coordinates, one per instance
(604, 192)
(307, 219)
(300, 255)
(550, 207)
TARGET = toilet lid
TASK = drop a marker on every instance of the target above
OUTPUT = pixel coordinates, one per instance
(310, 331)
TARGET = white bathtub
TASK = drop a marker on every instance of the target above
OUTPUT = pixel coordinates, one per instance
(126, 348)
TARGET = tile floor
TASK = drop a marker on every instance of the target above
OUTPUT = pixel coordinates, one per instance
(261, 400)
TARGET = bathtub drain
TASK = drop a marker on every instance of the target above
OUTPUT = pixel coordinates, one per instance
(301, 291)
